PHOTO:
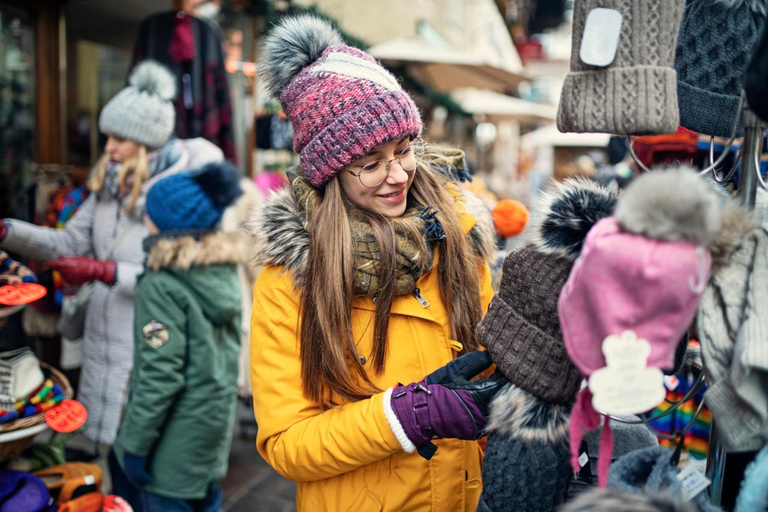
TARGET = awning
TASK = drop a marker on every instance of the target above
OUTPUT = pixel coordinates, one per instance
(445, 69)
(499, 107)
(550, 136)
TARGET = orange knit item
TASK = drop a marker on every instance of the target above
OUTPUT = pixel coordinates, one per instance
(510, 217)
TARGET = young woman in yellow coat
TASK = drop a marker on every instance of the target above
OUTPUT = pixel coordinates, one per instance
(374, 278)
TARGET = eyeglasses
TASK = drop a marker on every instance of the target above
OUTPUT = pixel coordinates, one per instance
(374, 173)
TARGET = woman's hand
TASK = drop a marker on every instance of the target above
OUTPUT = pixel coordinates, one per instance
(445, 404)
(78, 270)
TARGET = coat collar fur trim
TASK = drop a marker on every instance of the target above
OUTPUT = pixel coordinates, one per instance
(196, 250)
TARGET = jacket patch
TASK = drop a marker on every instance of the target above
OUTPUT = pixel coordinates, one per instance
(155, 334)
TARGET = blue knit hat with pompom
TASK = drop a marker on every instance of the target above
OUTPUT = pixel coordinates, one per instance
(193, 200)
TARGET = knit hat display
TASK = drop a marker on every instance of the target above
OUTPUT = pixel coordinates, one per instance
(756, 79)
(143, 112)
(341, 102)
(521, 330)
(715, 44)
(732, 329)
(526, 463)
(193, 200)
(633, 293)
(650, 471)
(636, 93)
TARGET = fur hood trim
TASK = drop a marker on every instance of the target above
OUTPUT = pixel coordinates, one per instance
(189, 251)
(673, 205)
(568, 211)
(756, 6)
(520, 415)
(737, 223)
(280, 237)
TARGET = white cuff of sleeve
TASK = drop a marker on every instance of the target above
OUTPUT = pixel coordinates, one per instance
(395, 425)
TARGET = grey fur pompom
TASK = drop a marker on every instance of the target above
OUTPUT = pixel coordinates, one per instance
(153, 78)
(675, 205)
(291, 46)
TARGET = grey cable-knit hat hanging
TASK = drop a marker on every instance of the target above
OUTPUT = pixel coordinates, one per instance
(636, 93)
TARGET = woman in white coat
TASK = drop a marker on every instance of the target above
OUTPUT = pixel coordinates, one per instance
(102, 243)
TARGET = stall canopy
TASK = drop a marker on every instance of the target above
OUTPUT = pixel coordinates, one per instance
(445, 69)
(500, 107)
(550, 136)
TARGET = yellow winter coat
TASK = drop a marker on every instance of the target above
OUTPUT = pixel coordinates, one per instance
(347, 458)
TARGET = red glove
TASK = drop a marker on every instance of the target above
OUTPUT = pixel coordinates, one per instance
(77, 270)
(3, 229)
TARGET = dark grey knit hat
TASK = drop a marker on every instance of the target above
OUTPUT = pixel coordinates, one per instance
(143, 112)
(713, 50)
(527, 462)
(521, 329)
(636, 94)
(650, 471)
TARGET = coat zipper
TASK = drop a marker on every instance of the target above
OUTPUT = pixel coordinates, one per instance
(419, 297)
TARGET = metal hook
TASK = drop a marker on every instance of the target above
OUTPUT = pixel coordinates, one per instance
(714, 165)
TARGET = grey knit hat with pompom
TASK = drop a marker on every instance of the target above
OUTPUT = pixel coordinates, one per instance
(143, 112)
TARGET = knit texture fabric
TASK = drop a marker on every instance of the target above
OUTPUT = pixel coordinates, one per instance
(143, 112)
(521, 330)
(413, 258)
(637, 93)
(193, 200)
(343, 106)
(733, 330)
(520, 475)
(756, 79)
(713, 50)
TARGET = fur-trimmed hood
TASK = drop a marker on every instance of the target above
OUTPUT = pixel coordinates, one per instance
(185, 250)
(280, 238)
(520, 415)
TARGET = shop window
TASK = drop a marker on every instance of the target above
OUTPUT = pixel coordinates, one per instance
(17, 108)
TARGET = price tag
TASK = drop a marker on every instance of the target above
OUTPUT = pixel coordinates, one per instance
(17, 294)
(671, 382)
(66, 417)
(693, 482)
(583, 459)
(602, 32)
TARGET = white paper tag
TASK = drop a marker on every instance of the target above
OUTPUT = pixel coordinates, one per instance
(583, 459)
(89, 479)
(600, 41)
(626, 385)
(693, 482)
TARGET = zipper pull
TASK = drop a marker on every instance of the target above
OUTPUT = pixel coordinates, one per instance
(424, 302)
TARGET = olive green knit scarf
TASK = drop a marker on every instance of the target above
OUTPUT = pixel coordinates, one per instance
(413, 258)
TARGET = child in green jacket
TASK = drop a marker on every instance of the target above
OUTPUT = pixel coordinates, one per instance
(172, 448)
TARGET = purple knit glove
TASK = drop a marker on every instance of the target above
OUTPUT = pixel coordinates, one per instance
(443, 405)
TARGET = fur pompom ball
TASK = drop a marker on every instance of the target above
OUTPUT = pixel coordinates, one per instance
(220, 181)
(569, 212)
(291, 46)
(674, 205)
(154, 78)
(510, 217)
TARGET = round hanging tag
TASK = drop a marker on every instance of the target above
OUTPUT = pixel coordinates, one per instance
(66, 417)
(16, 294)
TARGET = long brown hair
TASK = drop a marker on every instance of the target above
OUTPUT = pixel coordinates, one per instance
(328, 355)
(137, 168)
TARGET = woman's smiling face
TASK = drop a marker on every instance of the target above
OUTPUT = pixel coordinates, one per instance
(387, 165)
